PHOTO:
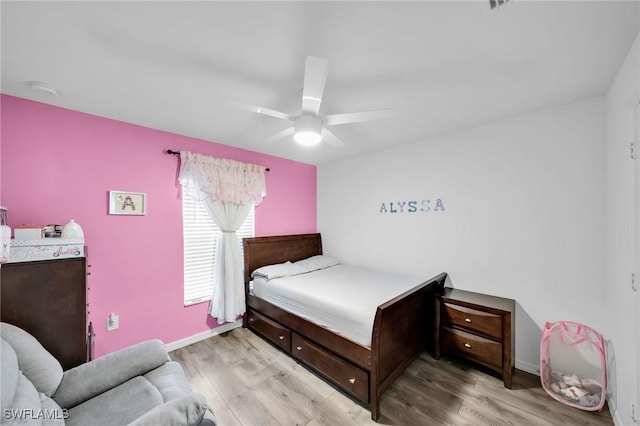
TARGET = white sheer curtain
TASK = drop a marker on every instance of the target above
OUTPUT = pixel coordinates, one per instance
(228, 189)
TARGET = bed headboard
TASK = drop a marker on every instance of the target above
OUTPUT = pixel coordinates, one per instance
(261, 251)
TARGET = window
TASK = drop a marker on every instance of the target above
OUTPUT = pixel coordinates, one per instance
(200, 235)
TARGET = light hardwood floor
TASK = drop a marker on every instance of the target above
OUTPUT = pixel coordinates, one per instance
(249, 382)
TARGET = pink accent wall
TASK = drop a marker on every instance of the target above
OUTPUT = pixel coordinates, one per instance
(58, 164)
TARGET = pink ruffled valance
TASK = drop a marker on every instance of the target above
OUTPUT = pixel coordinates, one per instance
(221, 179)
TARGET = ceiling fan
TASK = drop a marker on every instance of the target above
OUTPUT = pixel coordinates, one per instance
(309, 128)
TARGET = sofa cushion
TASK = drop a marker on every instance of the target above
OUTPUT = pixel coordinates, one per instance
(52, 413)
(9, 373)
(93, 378)
(118, 406)
(21, 401)
(170, 381)
(37, 365)
(188, 410)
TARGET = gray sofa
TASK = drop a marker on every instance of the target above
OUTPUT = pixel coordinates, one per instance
(138, 385)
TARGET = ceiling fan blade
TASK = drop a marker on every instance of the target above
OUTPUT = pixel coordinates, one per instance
(315, 77)
(330, 138)
(280, 135)
(258, 109)
(358, 117)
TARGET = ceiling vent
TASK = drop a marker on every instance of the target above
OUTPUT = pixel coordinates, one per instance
(493, 6)
(496, 4)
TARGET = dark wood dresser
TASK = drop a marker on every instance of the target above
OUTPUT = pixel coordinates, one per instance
(48, 299)
(477, 327)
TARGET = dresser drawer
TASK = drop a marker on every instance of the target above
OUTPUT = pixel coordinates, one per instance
(481, 322)
(352, 379)
(471, 346)
(279, 335)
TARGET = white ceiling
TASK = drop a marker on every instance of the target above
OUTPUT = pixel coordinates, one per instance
(441, 65)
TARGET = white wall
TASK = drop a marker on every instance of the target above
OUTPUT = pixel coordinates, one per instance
(524, 200)
(622, 302)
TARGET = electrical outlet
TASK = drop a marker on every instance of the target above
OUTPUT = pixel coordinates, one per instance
(113, 322)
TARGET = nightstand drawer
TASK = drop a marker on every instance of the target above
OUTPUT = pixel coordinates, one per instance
(273, 331)
(471, 346)
(484, 323)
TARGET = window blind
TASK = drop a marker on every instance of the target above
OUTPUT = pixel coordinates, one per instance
(200, 235)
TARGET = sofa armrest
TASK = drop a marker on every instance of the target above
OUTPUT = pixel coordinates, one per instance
(88, 380)
(189, 410)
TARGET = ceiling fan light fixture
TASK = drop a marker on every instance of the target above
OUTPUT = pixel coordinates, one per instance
(308, 130)
(307, 138)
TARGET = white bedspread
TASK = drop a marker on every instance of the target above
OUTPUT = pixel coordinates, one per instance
(341, 298)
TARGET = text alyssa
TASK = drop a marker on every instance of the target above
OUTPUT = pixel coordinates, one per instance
(412, 206)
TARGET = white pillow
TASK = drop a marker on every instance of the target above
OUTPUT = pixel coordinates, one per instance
(278, 270)
(317, 262)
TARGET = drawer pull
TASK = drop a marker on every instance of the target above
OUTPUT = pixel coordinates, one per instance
(252, 319)
(467, 320)
(299, 348)
(281, 337)
(352, 380)
(466, 345)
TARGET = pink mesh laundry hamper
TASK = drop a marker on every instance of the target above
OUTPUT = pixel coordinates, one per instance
(573, 365)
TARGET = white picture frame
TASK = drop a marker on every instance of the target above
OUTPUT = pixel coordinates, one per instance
(127, 203)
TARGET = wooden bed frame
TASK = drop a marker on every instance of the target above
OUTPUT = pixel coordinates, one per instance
(402, 329)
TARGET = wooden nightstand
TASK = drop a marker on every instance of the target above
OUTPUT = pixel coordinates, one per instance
(478, 327)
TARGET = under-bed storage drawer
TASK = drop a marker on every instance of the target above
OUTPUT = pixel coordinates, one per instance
(273, 331)
(472, 346)
(349, 377)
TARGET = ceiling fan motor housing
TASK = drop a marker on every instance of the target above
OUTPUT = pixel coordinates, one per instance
(308, 129)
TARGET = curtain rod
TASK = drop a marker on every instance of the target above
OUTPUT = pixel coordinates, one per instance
(172, 152)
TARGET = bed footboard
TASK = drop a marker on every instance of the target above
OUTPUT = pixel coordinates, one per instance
(402, 329)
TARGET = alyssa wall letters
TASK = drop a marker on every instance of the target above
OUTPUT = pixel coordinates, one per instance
(413, 206)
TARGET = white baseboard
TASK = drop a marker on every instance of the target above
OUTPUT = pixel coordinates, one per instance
(529, 368)
(613, 409)
(201, 336)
